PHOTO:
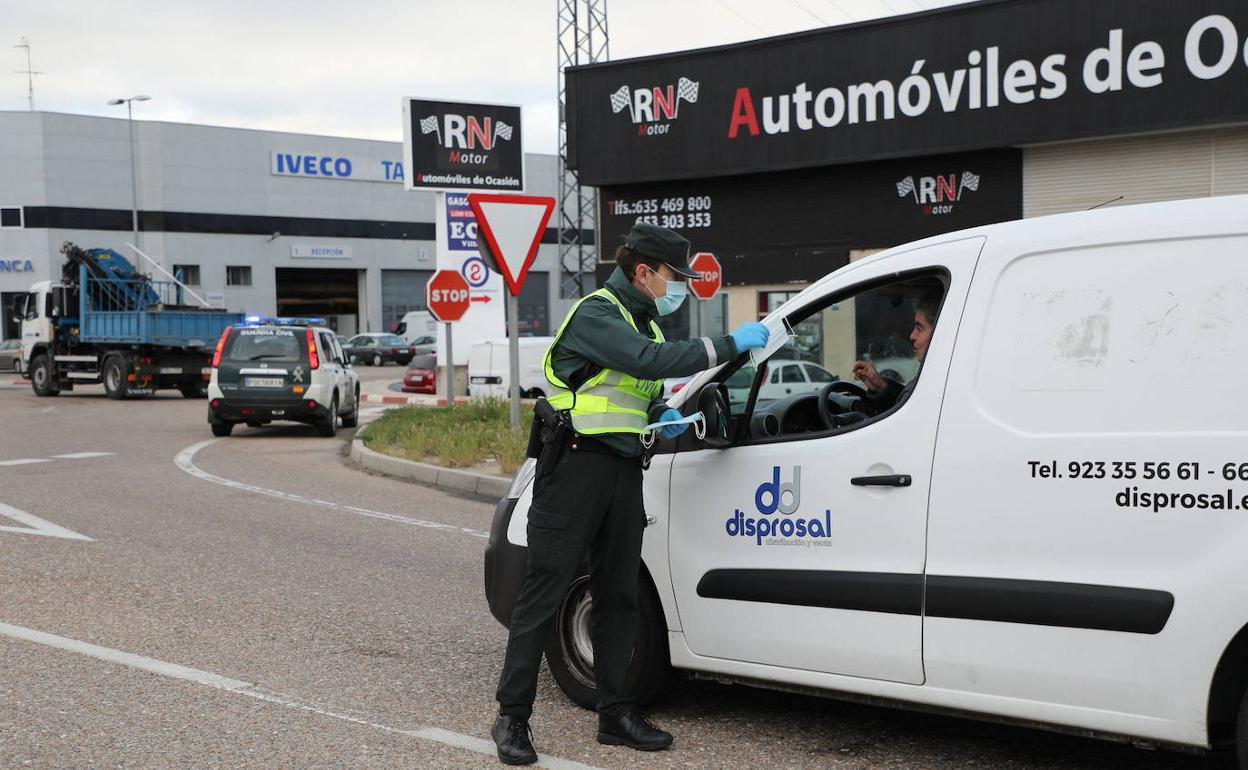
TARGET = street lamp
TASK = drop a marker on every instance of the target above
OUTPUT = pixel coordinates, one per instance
(134, 184)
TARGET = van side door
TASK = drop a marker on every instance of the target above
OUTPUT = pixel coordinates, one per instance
(805, 549)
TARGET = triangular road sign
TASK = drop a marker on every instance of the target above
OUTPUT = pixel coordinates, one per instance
(33, 525)
(511, 228)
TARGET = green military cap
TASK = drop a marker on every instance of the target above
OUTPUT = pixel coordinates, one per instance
(662, 244)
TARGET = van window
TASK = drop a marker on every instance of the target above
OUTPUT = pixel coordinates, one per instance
(876, 328)
(267, 344)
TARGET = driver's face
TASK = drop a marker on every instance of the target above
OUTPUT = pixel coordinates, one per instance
(921, 335)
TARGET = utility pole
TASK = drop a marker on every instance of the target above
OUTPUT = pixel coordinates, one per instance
(29, 72)
(134, 171)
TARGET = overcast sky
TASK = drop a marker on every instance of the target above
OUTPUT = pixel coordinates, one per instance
(339, 68)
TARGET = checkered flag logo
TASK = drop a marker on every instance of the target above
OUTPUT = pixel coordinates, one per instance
(429, 125)
(906, 187)
(620, 99)
(687, 89)
(970, 182)
(501, 131)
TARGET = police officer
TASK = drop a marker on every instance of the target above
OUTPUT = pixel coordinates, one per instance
(606, 367)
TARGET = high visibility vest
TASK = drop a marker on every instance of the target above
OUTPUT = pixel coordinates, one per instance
(610, 401)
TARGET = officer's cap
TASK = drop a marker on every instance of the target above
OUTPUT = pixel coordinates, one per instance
(660, 243)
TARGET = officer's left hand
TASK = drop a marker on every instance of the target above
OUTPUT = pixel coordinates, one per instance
(672, 431)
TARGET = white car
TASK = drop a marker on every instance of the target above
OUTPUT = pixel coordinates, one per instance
(1040, 530)
(269, 371)
(786, 377)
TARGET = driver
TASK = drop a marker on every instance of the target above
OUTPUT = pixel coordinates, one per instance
(884, 393)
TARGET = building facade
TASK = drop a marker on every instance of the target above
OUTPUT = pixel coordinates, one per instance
(258, 221)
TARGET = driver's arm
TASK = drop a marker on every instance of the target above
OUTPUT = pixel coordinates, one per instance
(886, 396)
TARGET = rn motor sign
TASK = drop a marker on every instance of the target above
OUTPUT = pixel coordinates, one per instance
(462, 146)
(991, 74)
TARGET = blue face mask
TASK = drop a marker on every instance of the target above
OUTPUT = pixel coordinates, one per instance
(672, 299)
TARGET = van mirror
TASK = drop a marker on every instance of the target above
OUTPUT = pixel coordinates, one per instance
(714, 405)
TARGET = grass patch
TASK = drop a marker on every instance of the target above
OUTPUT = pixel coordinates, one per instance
(457, 437)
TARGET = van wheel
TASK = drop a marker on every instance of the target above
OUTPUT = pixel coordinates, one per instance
(329, 426)
(41, 378)
(222, 428)
(114, 378)
(352, 419)
(570, 648)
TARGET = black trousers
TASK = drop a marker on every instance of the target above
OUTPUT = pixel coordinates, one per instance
(588, 501)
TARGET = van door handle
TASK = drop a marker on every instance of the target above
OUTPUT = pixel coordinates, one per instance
(894, 480)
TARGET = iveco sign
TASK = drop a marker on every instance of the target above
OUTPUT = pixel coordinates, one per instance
(320, 166)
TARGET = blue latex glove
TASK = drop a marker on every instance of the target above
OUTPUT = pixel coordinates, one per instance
(749, 336)
(672, 431)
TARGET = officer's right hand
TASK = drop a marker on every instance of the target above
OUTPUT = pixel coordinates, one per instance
(749, 336)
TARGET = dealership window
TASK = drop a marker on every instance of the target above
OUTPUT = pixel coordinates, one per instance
(10, 216)
(238, 275)
(188, 274)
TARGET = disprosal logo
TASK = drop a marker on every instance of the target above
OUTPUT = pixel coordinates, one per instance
(653, 109)
(937, 195)
(784, 498)
(468, 138)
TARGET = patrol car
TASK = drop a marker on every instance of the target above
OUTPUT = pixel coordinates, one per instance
(290, 369)
(1048, 525)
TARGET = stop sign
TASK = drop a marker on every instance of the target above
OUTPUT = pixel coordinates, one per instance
(447, 295)
(707, 266)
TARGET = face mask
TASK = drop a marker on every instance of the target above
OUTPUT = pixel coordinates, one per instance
(651, 431)
(671, 301)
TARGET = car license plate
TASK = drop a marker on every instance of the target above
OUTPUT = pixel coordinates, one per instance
(170, 370)
(486, 380)
(264, 382)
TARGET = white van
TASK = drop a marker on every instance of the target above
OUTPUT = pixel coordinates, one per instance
(489, 368)
(1049, 526)
(418, 327)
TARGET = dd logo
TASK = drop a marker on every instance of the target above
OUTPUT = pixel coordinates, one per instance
(775, 493)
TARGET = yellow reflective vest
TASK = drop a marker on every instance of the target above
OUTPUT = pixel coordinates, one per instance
(610, 401)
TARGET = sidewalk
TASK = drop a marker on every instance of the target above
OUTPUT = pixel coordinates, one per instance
(379, 392)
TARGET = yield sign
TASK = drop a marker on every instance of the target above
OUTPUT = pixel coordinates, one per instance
(33, 525)
(511, 228)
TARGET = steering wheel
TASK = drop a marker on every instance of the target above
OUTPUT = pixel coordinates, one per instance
(840, 386)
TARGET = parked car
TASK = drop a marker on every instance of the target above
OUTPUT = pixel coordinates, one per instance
(375, 349)
(11, 356)
(426, 343)
(422, 374)
(1037, 531)
(786, 377)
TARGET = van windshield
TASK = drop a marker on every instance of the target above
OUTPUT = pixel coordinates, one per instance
(266, 344)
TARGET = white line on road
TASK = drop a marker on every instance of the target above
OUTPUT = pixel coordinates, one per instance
(219, 682)
(186, 461)
(36, 525)
(82, 455)
(25, 461)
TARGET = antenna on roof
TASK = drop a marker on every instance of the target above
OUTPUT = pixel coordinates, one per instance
(1106, 203)
(28, 72)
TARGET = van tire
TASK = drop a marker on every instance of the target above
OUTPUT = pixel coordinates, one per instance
(650, 674)
(329, 426)
(42, 378)
(114, 378)
(352, 419)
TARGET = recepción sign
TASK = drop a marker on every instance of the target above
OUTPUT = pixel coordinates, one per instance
(305, 251)
(462, 146)
(981, 75)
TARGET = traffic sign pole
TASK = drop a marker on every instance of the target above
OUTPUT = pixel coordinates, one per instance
(513, 349)
(450, 368)
(447, 297)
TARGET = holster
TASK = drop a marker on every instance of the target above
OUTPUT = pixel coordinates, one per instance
(549, 436)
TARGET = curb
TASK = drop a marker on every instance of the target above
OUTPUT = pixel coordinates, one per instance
(424, 473)
(376, 398)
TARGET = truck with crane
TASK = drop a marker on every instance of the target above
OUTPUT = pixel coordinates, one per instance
(105, 322)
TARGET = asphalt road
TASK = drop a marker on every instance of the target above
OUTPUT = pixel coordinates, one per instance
(257, 602)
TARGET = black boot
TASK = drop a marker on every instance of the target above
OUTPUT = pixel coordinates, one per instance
(632, 730)
(514, 740)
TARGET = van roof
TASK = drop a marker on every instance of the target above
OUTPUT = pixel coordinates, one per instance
(1197, 217)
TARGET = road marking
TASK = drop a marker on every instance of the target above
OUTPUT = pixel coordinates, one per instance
(186, 461)
(74, 456)
(37, 526)
(239, 687)
(82, 455)
(25, 461)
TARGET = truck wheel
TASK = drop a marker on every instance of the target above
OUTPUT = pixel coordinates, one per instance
(353, 418)
(194, 391)
(222, 428)
(570, 649)
(42, 379)
(329, 426)
(114, 378)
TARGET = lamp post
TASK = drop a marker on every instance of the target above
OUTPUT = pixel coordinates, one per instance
(134, 173)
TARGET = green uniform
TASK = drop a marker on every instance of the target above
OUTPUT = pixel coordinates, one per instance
(593, 495)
